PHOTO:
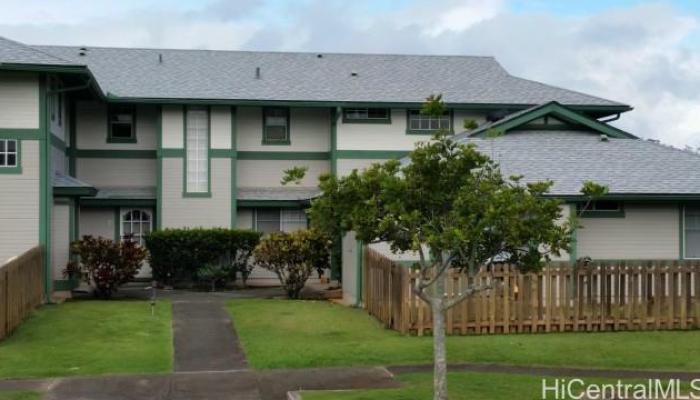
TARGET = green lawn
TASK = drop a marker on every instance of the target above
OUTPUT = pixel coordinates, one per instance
(21, 395)
(298, 334)
(90, 338)
(461, 386)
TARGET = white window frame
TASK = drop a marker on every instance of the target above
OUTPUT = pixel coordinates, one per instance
(197, 163)
(413, 114)
(122, 220)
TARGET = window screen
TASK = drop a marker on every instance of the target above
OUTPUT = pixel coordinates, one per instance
(276, 125)
(197, 150)
(366, 114)
(691, 225)
(267, 220)
(292, 220)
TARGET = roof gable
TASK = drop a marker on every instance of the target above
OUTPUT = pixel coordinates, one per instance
(553, 109)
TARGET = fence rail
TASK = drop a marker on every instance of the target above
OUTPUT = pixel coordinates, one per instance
(599, 297)
(21, 289)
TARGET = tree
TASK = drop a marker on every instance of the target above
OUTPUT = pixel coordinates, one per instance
(451, 205)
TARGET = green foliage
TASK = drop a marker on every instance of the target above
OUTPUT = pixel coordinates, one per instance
(293, 257)
(177, 254)
(493, 133)
(452, 200)
(106, 264)
(214, 275)
(433, 105)
(295, 175)
(470, 124)
(593, 190)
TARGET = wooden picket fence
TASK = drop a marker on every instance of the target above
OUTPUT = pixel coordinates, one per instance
(21, 289)
(622, 296)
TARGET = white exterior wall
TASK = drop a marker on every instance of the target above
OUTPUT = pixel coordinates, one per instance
(117, 172)
(646, 232)
(393, 136)
(269, 173)
(19, 205)
(220, 120)
(19, 100)
(309, 130)
(179, 211)
(60, 238)
(91, 127)
(97, 222)
(172, 125)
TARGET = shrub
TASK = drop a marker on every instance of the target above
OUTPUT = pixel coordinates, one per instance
(106, 264)
(177, 254)
(214, 275)
(293, 257)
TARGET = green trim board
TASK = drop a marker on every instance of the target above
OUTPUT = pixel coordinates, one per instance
(221, 153)
(20, 134)
(74, 191)
(234, 168)
(17, 169)
(637, 197)
(123, 154)
(283, 155)
(185, 189)
(272, 203)
(371, 154)
(159, 168)
(559, 111)
(45, 186)
(65, 284)
(170, 152)
(72, 135)
(117, 224)
(681, 231)
(92, 202)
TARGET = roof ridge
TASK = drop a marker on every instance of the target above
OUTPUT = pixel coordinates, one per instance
(265, 51)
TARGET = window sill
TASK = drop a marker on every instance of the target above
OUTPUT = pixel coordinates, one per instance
(366, 121)
(11, 170)
(276, 142)
(427, 133)
(196, 194)
(121, 140)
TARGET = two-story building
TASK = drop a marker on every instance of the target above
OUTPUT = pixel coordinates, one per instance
(117, 141)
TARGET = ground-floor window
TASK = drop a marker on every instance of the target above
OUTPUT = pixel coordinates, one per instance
(691, 232)
(135, 223)
(268, 220)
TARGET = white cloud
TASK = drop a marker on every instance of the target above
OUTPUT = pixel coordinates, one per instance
(636, 55)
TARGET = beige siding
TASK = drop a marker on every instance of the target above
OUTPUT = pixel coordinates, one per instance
(646, 232)
(91, 127)
(116, 171)
(60, 238)
(19, 100)
(268, 173)
(309, 130)
(179, 211)
(98, 222)
(172, 126)
(19, 205)
(244, 219)
(390, 136)
(220, 118)
(349, 260)
(345, 166)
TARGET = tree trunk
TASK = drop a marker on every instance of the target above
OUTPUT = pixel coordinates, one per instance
(439, 350)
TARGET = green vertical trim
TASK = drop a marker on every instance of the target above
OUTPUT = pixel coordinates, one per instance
(573, 251)
(185, 190)
(72, 136)
(45, 191)
(117, 224)
(358, 266)
(159, 169)
(681, 231)
(234, 169)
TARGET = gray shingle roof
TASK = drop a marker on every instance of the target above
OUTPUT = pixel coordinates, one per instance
(568, 158)
(278, 193)
(65, 181)
(12, 52)
(127, 193)
(231, 75)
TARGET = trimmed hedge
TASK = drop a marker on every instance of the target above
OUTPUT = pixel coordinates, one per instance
(177, 254)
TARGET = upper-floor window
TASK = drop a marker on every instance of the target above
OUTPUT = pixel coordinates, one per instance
(122, 124)
(276, 125)
(9, 153)
(371, 115)
(423, 123)
(602, 208)
(197, 150)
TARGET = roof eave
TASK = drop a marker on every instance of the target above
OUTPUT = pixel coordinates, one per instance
(656, 197)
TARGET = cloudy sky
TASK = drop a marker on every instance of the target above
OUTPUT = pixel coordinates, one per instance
(646, 54)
